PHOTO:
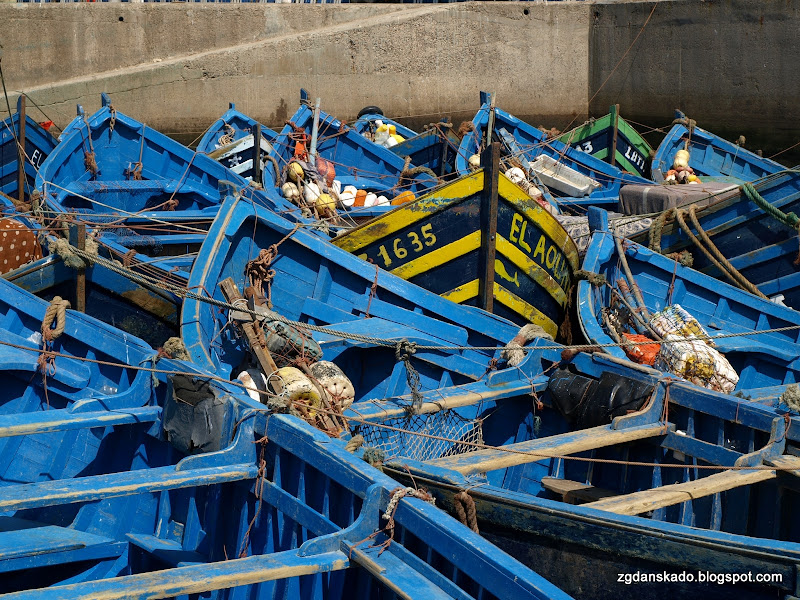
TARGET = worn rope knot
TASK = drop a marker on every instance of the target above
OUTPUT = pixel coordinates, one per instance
(398, 494)
(404, 349)
(56, 311)
(72, 256)
(465, 510)
(374, 457)
(136, 171)
(597, 279)
(90, 163)
(513, 351)
(354, 443)
(260, 275)
(227, 137)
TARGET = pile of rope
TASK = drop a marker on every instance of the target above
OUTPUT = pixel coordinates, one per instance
(706, 246)
(69, 254)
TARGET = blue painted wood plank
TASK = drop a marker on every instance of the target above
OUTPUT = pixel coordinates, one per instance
(62, 420)
(197, 578)
(85, 489)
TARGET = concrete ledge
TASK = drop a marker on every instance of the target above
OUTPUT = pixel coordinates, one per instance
(176, 66)
(730, 64)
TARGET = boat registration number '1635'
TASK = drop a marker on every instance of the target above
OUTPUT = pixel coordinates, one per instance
(398, 248)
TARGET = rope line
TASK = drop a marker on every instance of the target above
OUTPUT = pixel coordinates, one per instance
(475, 445)
(182, 292)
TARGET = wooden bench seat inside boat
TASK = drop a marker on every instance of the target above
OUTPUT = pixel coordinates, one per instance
(785, 351)
(167, 551)
(383, 329)
(563, 444)
(575, 492)
(63, 419)
(668, 495)
(27, 544)
(69, 371)
(196, 579)
(97, 487)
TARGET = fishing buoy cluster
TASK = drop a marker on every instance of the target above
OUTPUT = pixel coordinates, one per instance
(312, 186)
(300, 381)
(386, 135)
(681, 172)
(299, 391)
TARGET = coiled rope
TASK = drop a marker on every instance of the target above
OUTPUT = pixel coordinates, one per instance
(464, 507)
(56, 311)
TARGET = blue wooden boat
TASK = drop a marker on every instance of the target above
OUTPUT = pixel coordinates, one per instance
(575, 179)
(760, 359)
(369, 314)
(357, 161)
(753, 229)
(38, 145)
(611, 472)
(366, 123)
(129, 482)
(110, 166)
(435, 148)
(146, 200)
(229, 140)
(444, 240)
(710, 155)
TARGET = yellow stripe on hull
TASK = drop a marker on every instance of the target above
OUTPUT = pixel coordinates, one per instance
(519, 306)
(465, 292)
(439, 257)
(534, 271)
(442, 199)
(514, 303)
(402, 217)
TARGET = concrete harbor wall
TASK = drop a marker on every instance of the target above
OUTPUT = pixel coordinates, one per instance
(732, 65)
(728, 63)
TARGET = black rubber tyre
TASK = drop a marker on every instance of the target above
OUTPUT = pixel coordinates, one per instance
(369, 110)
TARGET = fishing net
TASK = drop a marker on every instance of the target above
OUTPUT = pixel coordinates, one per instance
(129, 238)
(693, 359)
(453, 433)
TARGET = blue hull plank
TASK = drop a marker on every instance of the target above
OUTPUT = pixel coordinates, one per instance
(762, 247)
(107, 493)
(317, 283)
(600, 498)
(38, 145)
(229, 140)
(532, 143)
(761, 360)
(710, 155)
